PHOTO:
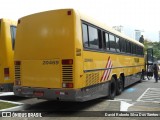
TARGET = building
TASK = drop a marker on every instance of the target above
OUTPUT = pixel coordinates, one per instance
(137, 34)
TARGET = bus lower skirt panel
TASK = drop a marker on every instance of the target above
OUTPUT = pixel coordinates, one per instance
(83, 94)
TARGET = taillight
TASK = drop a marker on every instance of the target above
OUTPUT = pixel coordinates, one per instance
(17, 62)
(6, 73)
(67, 62)
(67, 85)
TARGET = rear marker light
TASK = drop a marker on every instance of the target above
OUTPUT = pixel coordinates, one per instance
(67, 62)
(17, 62)
(69, 12)
(19, 21)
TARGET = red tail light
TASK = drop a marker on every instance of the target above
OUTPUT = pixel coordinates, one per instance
(67, 62)
(17, 62)
(6, 73)
(67, 85)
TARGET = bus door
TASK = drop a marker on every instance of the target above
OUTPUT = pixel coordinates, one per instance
(149, 63)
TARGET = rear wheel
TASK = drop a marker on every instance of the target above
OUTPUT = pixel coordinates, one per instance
(119, 87)
(112, 89)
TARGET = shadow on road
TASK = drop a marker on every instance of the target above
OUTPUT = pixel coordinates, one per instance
(13, 98)
(59, 108)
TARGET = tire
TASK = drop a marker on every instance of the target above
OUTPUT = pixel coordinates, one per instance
(119, 87)
(112, 89)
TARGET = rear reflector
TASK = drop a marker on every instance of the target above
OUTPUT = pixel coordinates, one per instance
(67, 85)
(69, 12)
(17, 62)
(6, 73)
(67, 62)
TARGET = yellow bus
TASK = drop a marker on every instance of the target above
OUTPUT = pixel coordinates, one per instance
(7, 40)
(65, 55)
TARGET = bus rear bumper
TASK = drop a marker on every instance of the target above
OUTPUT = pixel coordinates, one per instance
(83, 94)
(7, 87)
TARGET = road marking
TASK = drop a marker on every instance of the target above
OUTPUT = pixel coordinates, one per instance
(127, 100)
(6, 93)
(124, 106)
(150, 95)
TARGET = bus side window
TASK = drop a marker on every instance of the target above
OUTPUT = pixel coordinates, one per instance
(123, 44)
(117, 44)
(93, 37)
(100, 39)
(85, 35)
(112, 43)
(13, 35)
(106, 40)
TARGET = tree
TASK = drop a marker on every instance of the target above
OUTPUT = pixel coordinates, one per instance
(155, 46)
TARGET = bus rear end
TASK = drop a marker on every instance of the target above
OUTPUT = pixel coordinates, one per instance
(44, 55)
(7, 39)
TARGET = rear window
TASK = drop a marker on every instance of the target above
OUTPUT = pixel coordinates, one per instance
(13, 35)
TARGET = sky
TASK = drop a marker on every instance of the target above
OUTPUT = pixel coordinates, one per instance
(133, 14)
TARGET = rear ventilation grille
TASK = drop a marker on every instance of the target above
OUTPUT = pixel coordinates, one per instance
(92, 79)
(17, 72)
(67, 73)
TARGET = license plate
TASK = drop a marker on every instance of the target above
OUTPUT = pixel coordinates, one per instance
(39, 93)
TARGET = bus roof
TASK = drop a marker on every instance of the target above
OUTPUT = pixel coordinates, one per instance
(12, 22)
(96, 23)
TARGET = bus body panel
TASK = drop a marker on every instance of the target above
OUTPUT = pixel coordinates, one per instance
(6, 53)
(47, 45)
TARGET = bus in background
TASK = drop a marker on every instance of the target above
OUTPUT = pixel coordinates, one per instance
(65, 55)
(7, 40)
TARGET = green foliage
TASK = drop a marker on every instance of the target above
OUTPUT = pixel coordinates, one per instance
(155, 46)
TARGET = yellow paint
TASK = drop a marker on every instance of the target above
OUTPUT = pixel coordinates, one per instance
(6, 52)
(55, 35)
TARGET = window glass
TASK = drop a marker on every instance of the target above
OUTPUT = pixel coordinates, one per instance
(117, 44)
(85, 35)
(112, 42)
(13, 35)
(128, 46)
(106, 41)
(100, 39)
(123, 44)
(93, 37)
